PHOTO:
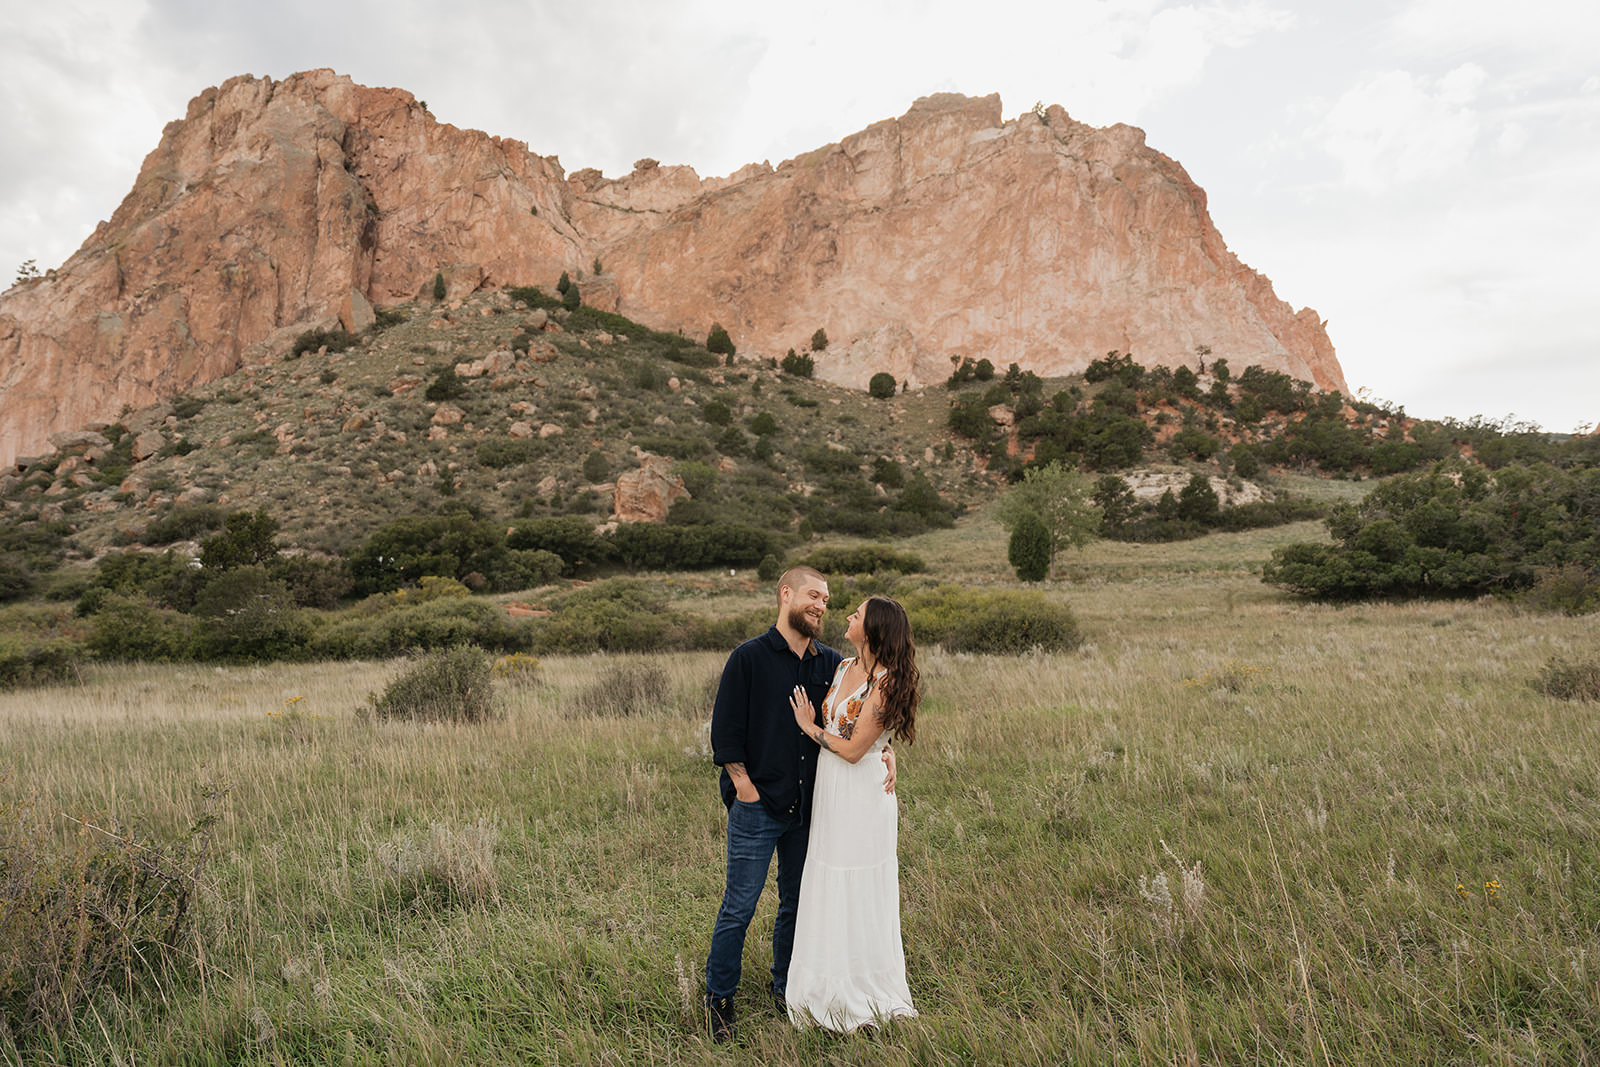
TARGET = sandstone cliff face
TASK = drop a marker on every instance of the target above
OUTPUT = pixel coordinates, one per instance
(271, 207)
(951, 232)
(274, 206)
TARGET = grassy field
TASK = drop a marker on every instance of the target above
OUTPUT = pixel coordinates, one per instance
(1233, 827)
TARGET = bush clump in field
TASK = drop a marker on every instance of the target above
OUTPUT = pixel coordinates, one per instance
(390, 625)
(1570, 679)
(1571, 589)
(863, 559)
(1005, 622)
(517, 669)
(450, 686)
(626, 689)
(107, 908)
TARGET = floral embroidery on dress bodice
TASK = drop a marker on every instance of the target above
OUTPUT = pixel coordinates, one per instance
(844, 722)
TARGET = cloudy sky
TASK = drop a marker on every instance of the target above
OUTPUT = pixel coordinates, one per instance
(1424, 173)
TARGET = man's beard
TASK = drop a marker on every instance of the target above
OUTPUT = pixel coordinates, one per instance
(802, 624)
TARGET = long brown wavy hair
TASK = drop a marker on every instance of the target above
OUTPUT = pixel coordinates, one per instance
(888, 634)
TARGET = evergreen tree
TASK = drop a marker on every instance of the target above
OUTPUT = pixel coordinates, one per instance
(1198, 502)
(1029, 548)
(881, 386)
(439, 290)
(819, 340)
(718, 341)
(564, 284)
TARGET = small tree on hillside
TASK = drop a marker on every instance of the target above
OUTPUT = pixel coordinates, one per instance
(881, 386)
(564, 284)
(572, 298)
(1029, 549)
(248, 538)
(801, 366)
(1198, 502)
(1060, 499)
(819, 340)
(718, 341)
(439, 290)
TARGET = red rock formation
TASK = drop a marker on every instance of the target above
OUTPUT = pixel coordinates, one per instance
(275, 206)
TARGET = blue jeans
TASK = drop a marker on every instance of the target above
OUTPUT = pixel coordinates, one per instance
(753, 836)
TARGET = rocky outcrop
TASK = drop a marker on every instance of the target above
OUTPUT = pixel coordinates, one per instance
(949, 231)
(271, 207)
(647, 493)
(276, 206)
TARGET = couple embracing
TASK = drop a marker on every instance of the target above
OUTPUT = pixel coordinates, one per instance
(802, 736)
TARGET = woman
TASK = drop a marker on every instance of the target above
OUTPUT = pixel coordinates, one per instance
(849, 969)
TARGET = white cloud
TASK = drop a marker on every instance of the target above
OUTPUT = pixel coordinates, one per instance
(1563, 34)
(1397, 127)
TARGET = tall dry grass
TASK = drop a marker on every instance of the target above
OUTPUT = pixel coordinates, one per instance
(1231, 828)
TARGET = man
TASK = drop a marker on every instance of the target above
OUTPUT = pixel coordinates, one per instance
(768, 768)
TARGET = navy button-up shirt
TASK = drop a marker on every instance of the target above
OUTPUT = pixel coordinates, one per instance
(752, 723)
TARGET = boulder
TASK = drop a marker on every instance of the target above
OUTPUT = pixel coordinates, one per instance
(647, 493)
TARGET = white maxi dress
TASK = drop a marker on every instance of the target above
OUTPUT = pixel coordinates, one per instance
(849, 966)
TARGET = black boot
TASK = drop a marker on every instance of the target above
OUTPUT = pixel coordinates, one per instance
(720, 1012)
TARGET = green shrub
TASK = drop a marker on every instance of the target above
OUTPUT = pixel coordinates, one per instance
(625, 689)
(27, 660)
(647, 546)
(716, 413)
(396, 624)
(454, 685)
(502, 452)
(1570, 679)
(1571, 589)
(1000, 622)
(801, 366)
(453, 545)
(1028, 550)
(311, 340)
(104, 908)
(769, 569)
(621, 615)
(821, 460)
(596, 466)
(718, 341)
(248, 538)
(563, 283)
(863, 559)
(1455, 530)
(446, 385)
(921, 499)
(533, 297)
(819, 340)
(569, 537)
(699, 478)
(439, 290)
(763, 424)
(1198, 502)
(134, 629)
(249, 617)
(313, 582)
(881, 385)
(1246, 460)
(188, 406)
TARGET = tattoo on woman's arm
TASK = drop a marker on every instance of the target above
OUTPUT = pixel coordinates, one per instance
(822, 739)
